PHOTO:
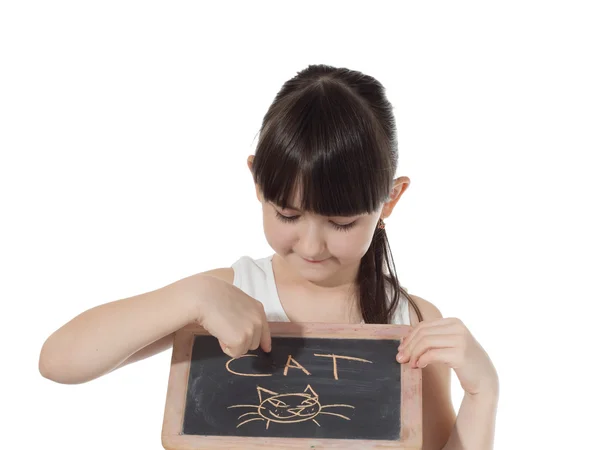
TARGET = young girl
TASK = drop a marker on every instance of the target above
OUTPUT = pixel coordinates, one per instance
(324, 174)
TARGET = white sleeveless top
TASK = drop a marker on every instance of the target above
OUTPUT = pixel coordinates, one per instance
(255, 277)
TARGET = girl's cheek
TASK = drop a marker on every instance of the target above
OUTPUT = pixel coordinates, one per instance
(278, 241)
(279, 236)
(351, 246)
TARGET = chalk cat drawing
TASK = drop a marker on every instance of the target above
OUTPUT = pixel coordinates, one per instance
(287, 408)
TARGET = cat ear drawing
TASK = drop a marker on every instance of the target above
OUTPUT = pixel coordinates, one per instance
(264, 394)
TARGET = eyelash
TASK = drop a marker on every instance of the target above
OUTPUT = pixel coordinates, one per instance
(339, 227)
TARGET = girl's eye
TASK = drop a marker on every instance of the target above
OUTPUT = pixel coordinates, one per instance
(337, 226)
(286, 218)
(344, 227)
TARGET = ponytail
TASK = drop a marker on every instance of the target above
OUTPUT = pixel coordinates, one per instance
(376, 269)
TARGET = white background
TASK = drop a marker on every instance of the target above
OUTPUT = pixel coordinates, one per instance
(124, 131)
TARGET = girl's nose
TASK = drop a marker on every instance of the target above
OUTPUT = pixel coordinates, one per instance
(311, 244)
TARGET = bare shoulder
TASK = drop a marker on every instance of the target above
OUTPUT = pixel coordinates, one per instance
(428, 310)
(224, 273)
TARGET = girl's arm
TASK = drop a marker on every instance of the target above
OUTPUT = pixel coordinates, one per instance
(475, 423)
(108, 336)
(436, 345)
(100, 339)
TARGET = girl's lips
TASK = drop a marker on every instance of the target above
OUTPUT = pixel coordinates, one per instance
(315, 262)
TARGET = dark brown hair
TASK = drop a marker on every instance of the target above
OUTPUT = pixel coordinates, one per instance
(331, 133)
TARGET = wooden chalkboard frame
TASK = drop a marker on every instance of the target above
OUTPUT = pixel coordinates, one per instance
(410, 408)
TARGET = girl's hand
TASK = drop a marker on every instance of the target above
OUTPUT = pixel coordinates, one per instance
(237, 320)
(448, 341)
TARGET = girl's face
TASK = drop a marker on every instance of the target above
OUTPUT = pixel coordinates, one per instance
(323, 250)
(316, 246)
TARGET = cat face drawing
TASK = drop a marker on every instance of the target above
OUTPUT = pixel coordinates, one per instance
(287, 408)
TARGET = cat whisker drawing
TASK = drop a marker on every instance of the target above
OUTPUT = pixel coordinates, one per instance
(287, 408)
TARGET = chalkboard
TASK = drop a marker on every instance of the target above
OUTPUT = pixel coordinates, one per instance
(307, 387)
(320, 385)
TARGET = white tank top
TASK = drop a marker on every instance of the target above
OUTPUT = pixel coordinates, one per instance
(255, 277)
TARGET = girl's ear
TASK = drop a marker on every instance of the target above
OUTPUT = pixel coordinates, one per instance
(250, 161)
(400, 185)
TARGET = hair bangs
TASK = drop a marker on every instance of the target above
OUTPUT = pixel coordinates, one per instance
(324, 148)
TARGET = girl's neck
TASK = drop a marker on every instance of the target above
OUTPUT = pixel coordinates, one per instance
(306, 301)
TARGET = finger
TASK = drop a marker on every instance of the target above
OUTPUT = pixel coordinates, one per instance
(431, 342)
(240, 345)
(403, 338)
(411, 334)
(265, 338)
(420, 344)
(428, 324)
(225, 349)
(420, 331)
(256, 337)
(447, 356)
